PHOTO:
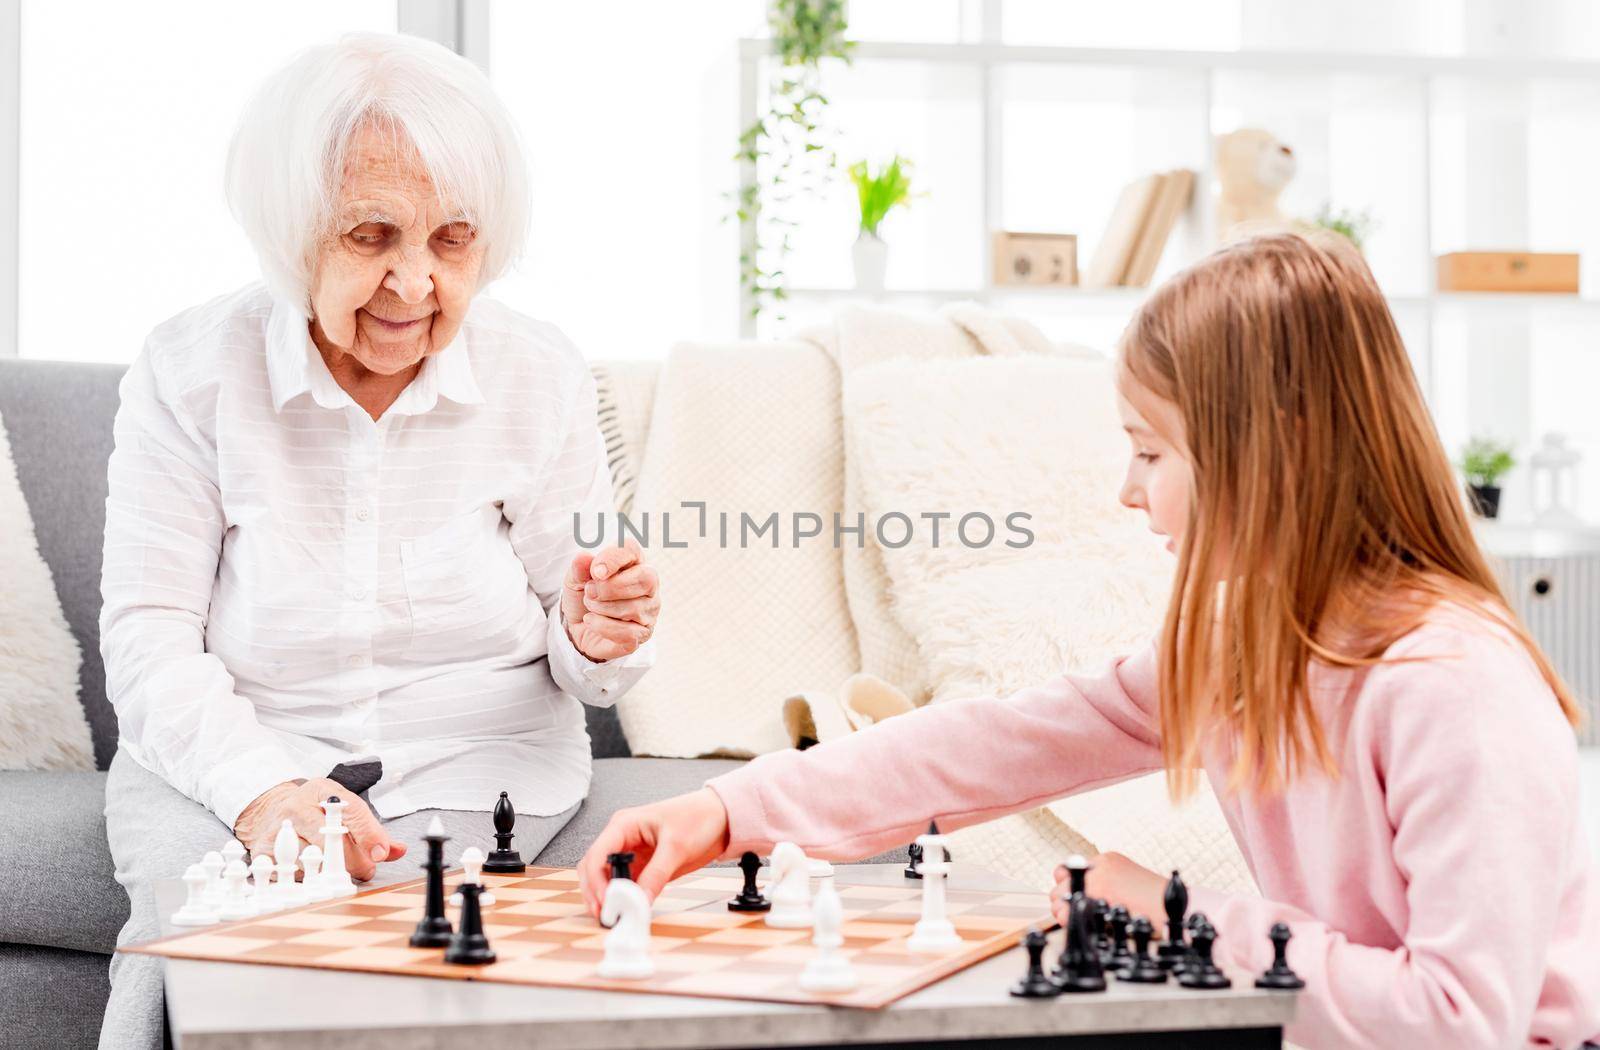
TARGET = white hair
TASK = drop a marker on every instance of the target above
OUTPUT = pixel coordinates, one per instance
(286, 160)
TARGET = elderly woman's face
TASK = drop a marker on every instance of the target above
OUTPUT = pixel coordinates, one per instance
(394, 280)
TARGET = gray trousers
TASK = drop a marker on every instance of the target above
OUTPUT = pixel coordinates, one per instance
(155, 833)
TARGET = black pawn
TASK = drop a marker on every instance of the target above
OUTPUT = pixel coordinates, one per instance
(1121, 957)
(750, 898)
(1201, 971)
(1191, 926)
(503, 860)
(1084, 972)
(433, 929)
(469, 947)
(1278, 975)
(1100, 928)
(1143, 969)
(1174, 949)
(1034, 984)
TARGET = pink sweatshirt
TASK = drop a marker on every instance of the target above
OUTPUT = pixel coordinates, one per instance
(1440, 889)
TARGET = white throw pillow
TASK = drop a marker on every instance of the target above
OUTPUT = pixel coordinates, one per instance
(42, 726)
(1039, 435)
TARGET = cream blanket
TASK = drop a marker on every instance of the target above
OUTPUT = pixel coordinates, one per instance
(41, 722)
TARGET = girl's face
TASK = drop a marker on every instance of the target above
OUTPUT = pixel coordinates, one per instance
(1159, 481)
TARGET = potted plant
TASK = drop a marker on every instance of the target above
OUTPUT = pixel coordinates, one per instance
(1483, 462)
(878, 194)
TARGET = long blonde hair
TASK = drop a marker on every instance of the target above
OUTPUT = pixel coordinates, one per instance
(1326, 519)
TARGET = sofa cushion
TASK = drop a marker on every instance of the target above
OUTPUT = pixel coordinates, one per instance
(51, 998)
(58, 888)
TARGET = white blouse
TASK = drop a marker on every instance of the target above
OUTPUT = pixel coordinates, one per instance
(289, 585)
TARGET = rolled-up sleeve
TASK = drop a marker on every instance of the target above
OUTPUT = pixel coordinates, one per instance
(177, 710)
(576, 488)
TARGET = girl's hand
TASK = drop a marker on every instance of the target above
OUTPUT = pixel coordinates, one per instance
(667, 839)
(1116, 880)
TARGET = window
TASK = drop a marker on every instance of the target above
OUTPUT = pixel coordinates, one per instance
(125, 120)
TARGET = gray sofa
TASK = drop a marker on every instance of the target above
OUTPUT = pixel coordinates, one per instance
(60, 906)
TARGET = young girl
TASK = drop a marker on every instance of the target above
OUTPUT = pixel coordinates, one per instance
(1393, 753)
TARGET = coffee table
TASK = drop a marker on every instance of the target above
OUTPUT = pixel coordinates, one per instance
(249, 1007)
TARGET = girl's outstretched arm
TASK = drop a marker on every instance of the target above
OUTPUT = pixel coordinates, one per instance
(958, 761)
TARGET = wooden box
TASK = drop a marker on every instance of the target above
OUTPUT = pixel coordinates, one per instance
(1508, 272)
(1035, 258)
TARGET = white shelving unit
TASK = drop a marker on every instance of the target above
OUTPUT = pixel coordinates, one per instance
(1419, 139)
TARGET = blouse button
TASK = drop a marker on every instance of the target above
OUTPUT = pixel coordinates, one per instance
(362, 514)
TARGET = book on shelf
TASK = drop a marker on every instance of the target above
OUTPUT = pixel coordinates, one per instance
(1142, 222)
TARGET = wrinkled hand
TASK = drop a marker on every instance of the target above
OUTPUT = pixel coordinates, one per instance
(1116, 880)
(666, 839)
(610, 601)
(365, 847)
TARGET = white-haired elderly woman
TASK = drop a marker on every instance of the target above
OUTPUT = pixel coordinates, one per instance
(344, 518)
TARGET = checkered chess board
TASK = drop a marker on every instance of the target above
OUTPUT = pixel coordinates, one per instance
(538, 928)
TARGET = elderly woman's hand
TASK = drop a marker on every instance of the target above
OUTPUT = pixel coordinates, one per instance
(610, 602)
(365, 847)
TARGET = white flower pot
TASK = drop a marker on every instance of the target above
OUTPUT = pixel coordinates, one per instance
(871, 257)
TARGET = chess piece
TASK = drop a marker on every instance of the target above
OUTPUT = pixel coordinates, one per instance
(433, 929)
(828, 970)
(1100, 929)
(1191, 926)
(503, 860)
(336, 881)
(195, 910)
(818, 869)
(913, 860)
(1142, 968)
(311, 885)
(1117, 927)
(626, 910)
(212, 864)
(934, 932)
(1077, 876)
(1034, 984)
(1278, 975)
(749, 898)
(1201, 971)
(468, 946)
(232, 850)
(1174, 949)
(286, 851)
(235, 905)
(790, 888)
(472, 871)
(1084, 971)
(262, 898)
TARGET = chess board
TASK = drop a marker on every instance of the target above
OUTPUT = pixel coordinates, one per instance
(542, 936)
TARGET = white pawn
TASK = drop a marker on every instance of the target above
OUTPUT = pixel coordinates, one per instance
(335, 879)
(472, 871)
(790, 888)
(286, 850)
(933, 932)
(195, 910)
(311, 864)
(626, 909)
(212, 864)
(828, 970)
(232, 850)
(261, 896)
(235, 905)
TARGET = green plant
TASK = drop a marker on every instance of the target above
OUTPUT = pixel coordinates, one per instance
(1484, 460)
(880, 193)
(787, 151)
(1356, 225)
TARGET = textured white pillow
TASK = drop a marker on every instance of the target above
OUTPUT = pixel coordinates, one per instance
(1041, 435)
(41, 722)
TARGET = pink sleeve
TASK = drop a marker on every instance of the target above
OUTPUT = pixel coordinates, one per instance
(958, 761)
(1480, 786)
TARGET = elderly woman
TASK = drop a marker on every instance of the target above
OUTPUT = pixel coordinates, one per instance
(341, 553)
